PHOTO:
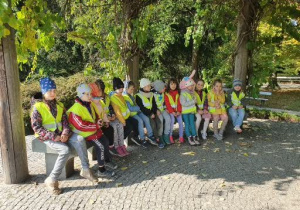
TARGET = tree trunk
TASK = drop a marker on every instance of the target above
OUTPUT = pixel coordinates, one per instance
(248, 10)
(195, 62)
(133, 68)
(12, 134)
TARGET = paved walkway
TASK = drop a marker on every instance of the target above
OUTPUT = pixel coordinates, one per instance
(257, 170)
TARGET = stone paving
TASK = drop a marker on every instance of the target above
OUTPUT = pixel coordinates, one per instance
(256, 170)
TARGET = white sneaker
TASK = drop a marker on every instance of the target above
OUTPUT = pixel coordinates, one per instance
(204, 135)
(218, 137)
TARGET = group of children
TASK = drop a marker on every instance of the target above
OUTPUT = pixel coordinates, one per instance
(105, 120)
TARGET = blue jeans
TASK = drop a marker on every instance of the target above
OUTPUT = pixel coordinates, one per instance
(189, 122)
(78, 143)
(237, 116)
(143, 120)
(63, 154)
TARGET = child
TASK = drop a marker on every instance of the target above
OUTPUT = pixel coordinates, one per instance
(136, 113)
(216, 100)
(236, 103)
(173, 108)
(188, 102)
(123, 114)
(202, 107)
(159, 95)
(145, 100)
(50, 124)
(85, 121)
(108, 114)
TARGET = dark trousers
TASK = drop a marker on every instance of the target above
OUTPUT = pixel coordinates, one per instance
(131, 125)
(102, 150)
(109, 133)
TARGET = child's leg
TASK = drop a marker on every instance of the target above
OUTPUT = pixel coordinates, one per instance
(224, 118)
(187, 125)
(172, 123)
(147, 124)
(63, 154)
(160, 124)
(78, 143)
(140, 126)
(206, 123)
(192, 124)
(120, 132)
(215, 123)
(241, 115)
(234, 116)
(116, 135)
(109, 133)
(134, 124)
(154, 128)
(167, 123)
(180, 123)
(105, 142)
(99, 152)
(198, 121)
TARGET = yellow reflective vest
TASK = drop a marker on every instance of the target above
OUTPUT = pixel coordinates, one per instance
(200, 103)
(146, 102)
(105, 104)
(48, 121)
(190, 109)
(237, 100)
(172, 102)
(160, 101)
(212, 109)
(85, 115)
(122, 104)
(128, 98)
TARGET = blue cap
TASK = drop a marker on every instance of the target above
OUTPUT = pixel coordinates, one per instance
(47, 84)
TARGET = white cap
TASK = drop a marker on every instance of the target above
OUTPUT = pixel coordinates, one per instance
(83, 88)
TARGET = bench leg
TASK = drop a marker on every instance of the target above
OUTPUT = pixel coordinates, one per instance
(67, 171)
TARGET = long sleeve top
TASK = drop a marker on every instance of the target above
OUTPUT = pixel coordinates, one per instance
(170, 109)
(217, 97)
(117, 109)
(228, 98)
(187, 102)
(37, 125)
(200, 93)
(146, 111)
(132, 108)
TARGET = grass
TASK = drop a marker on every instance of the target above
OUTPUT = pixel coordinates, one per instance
(288, 99)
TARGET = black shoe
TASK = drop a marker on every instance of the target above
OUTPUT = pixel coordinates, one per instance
(114, 152)
(111, 165)
(191, 141)
(145, 144)
(106, 173)
(152, 141)
(196, 140)
(136, 140)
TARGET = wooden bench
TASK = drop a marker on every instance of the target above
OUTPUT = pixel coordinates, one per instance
(262, 99)
(51, 156)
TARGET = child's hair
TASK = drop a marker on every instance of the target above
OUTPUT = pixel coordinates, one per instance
(174, 81)
(217, 81)
(130, 83)
(196, 82)
(100, 84)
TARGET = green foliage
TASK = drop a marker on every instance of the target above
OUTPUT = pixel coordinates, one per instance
(276, 116)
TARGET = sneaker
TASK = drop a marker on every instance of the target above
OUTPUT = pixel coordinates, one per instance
(181, 140)
(113, 152)
(204, 135)
(153, 141)
(120, 151)
(145, 144)
(111, 165)
(106, 174)
(52, 186)
(237, 129)
(218, 137)
(172, 140)
(87, 173)
(191, 141)
(136, 140)
(161, 145)
(196, 140)
(221, 136)
(125, 150)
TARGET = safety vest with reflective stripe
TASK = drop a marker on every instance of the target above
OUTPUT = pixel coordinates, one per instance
(237, 100)
(191, 109)
(48, 121)
(85, 115)
(213, 109)
(128, 98)
(122, 104)
(105, 104)
(172, 102)
(146, 102)
(160, 100)
(200, 103)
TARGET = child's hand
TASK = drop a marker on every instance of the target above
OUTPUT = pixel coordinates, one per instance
(174, 113)
(124, 124)
(200, 111)
(64, 138)
(205, 111)
(241, 107)
(113, 118)
(234, 107)
(106, 124)
(178, 114)
(158, 112)
(100, 122)
(57, 138)
(152, 116)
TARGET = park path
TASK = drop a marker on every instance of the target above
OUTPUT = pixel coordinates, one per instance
(256, 170)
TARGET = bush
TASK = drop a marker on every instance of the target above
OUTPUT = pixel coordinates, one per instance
(66, 93)
(276, 116)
